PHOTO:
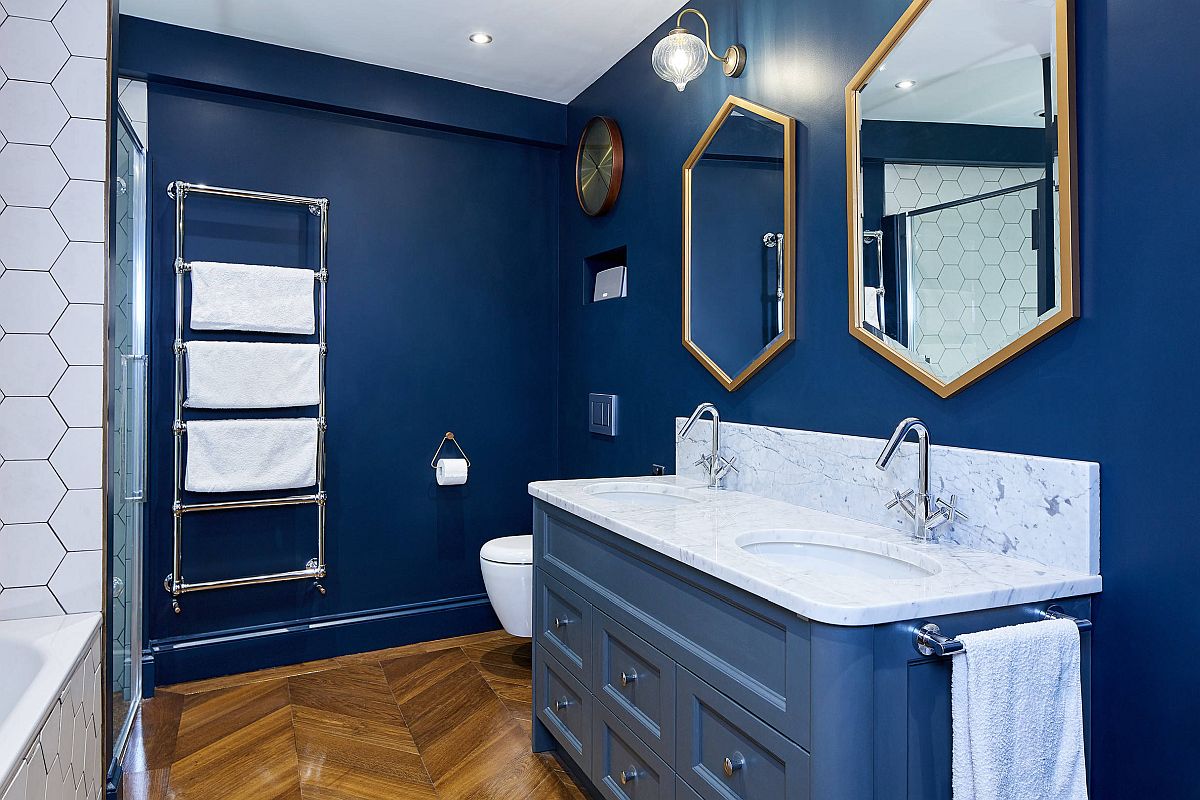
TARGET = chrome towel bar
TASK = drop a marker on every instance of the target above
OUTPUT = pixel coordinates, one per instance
(929, 641)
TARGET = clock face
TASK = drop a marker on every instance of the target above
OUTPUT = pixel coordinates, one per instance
(598, 166)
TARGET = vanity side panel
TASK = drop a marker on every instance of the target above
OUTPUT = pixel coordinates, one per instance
(843, 672)
(912, 718)
(753, 651)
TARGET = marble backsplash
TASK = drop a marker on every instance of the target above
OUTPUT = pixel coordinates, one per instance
(1040, 509)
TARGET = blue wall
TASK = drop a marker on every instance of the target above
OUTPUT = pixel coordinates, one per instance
(442, 316)
(1117, 387)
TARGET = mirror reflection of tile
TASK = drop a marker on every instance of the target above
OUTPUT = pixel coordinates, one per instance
(974, 264)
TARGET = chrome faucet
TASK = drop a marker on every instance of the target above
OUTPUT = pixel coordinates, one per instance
(926, 512)
(718, 467)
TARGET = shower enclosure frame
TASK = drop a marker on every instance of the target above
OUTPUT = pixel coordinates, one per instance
(131, 458)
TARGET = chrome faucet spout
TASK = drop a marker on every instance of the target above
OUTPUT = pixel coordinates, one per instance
(907, 426)
(717, 466)
(927, 512)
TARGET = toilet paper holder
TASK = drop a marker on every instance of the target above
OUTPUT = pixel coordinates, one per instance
(449, 437)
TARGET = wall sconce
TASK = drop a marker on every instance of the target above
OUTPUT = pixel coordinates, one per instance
(681, 56)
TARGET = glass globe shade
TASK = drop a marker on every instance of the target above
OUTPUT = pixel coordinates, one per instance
(680, 57)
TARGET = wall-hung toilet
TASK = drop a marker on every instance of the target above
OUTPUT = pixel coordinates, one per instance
(507, 565)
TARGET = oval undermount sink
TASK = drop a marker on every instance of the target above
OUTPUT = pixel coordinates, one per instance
(642, 495)
(837, 554)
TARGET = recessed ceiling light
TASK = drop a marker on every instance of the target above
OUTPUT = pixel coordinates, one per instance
(906, 84)
(481, 38)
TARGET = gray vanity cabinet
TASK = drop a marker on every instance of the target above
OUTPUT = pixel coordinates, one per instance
(657, 681)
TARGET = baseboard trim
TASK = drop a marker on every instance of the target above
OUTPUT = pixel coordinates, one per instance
(229, 652)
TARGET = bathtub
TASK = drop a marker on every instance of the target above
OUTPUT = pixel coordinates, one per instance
(51, 707)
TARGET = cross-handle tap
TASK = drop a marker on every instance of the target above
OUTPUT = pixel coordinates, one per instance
(926, 512)
(724, 465)
(717, 466)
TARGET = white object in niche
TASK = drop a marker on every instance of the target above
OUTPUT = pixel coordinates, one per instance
(610, 284)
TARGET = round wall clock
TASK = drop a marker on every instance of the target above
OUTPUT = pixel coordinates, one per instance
(599, 165)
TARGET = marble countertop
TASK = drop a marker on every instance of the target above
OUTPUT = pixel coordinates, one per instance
(703, 535)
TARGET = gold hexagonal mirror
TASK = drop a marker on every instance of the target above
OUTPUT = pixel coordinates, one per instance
(739, 212)
(962, 204)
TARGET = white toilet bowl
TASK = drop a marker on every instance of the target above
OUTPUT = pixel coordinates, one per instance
(507, 565)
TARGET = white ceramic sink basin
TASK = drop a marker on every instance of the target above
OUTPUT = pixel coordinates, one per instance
(838, 554)
(642, 495)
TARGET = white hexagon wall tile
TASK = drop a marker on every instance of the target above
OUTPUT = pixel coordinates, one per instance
(53, 106)
(30, 238)
(79, 334)
(30, 113)
(33, 601)
(29, 491)
(30, 302)
(29, 365)
(30, 428)
(79, 397)
(81, 85)
(77, 520)
(31, 50)
(32, 554)
(82, 25)
(80, 148)
(30, 175)
(34, 9)
(77, 458)
(79, 209)
(79, 271)
(76, 583)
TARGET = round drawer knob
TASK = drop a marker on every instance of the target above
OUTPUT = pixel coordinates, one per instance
(561, 703)
(630, 775)
(561, 622)
(628, 677)
(733, 763)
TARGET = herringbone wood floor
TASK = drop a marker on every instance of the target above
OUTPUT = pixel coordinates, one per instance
(446, 720)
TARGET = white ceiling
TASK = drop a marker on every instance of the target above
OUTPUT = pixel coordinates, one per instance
(550, 49)
(975, 61)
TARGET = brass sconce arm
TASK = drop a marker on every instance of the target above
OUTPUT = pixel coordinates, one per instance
(734, 60)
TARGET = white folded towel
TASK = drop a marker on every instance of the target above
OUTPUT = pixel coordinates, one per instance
(252, 375)
(1018, 714)
(248, 297)
(871, 307)
(235, 455)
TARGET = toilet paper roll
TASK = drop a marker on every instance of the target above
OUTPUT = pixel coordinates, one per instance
(451, 471)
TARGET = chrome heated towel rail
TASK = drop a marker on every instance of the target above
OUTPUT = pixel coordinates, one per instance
(315, 569)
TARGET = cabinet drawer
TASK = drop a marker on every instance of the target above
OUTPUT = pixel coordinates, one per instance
(564, 706)
(565, 626)
(723, 752)
(636, 682)
(623, 767)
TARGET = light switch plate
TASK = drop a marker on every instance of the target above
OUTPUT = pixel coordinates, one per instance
(602, 414)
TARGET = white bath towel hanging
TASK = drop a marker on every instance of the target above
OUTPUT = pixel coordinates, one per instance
(1018, 714)
(252, 375)
(235, 455)
(871, 307)
(249, 297)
